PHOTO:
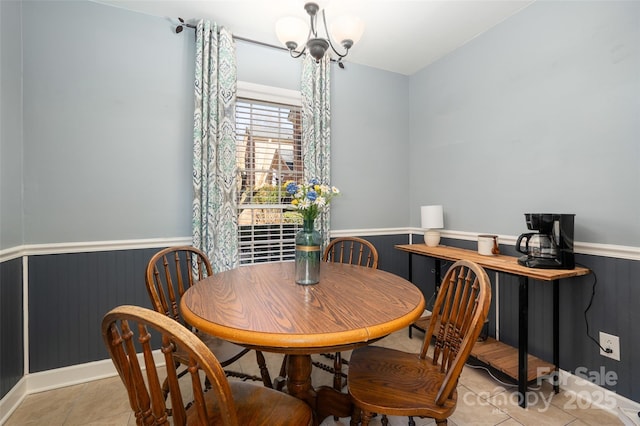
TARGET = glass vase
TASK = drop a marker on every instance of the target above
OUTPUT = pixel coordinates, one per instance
(307, 254)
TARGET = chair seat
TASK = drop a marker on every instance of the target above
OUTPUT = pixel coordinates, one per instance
(256, 405)
(383, 380)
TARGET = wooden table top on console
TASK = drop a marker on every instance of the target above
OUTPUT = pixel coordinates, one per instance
(501, 263)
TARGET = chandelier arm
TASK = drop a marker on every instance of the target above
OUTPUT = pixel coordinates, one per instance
(326, 30)
(313, 26)
(312, 9)
(304, 49)
(299, 54)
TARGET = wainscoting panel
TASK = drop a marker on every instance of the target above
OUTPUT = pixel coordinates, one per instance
(11, 325)
(615, 309)
(68, 296)
(390, 259)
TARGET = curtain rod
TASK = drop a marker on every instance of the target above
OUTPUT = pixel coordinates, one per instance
(183, 24)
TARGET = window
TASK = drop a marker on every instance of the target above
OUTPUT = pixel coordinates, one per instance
(268, 154)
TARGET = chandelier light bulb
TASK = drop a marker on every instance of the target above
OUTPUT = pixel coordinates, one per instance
(292, 31)
(347, 30)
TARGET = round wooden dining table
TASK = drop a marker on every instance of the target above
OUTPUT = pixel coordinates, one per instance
(260, 306)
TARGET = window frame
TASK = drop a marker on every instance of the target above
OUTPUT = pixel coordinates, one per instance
(279, 241)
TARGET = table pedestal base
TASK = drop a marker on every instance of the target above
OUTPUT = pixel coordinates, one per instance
(325, 401)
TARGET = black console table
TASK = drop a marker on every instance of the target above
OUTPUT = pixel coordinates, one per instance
(495, 353)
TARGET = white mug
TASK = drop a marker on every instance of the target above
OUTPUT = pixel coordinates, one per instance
(488, 245)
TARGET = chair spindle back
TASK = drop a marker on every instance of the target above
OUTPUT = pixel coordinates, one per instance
(125, 325)
(170, 272)
(458, 315)
(352, 250)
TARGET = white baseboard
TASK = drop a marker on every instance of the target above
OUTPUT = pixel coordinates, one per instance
(69, 376)
(54, 379)
(12, 400)
(60, 378)
(598, 396)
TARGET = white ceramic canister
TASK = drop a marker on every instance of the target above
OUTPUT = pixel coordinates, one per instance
(488, 245)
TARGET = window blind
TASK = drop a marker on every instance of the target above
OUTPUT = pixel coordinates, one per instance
(268, 150)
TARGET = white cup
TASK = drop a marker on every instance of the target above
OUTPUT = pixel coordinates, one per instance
(488, 245)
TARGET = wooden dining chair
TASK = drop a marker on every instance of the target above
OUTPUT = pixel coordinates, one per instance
(353, 251)
(129, 333)
(170, 272)
(392, 382)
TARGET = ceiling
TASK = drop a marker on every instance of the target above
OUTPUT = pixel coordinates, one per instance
(401, 36)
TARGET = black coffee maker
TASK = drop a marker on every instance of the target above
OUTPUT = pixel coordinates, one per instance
(552, 246)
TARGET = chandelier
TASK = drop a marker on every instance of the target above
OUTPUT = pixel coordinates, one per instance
(294, 32)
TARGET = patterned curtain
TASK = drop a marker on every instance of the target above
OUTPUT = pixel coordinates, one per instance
(316, 124)
(215, 222)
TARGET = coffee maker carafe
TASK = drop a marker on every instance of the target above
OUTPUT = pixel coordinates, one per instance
(551, 247)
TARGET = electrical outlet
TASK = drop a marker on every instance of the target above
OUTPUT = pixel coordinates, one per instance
(609, 341)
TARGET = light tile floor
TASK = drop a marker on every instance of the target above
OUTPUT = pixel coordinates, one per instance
(481, 400)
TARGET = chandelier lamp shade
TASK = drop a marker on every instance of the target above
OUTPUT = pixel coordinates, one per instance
(432, 219)
(294, 32)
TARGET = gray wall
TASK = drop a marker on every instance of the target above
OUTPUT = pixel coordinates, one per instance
(10, 125)
(109, 112)
(107, 147)
(547, 124)
(270, 67)
(112, 136)
(539, 114)
(369, 148)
